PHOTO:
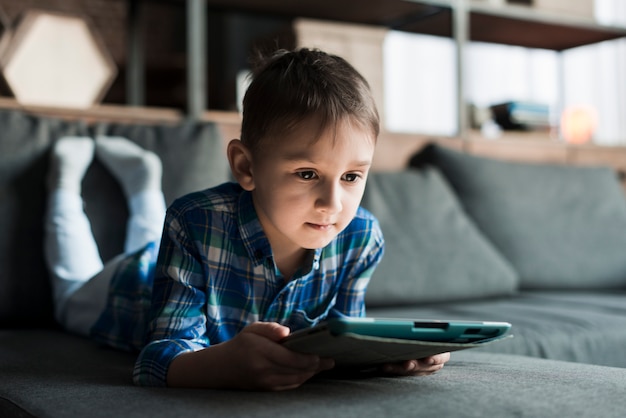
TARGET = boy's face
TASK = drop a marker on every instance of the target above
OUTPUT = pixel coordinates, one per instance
(306, 191)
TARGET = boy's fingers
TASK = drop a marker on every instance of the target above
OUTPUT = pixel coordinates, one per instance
(405, 368)
(294, 361)
(279, 382)
(326, 364)
(277, 366)
(282, 359)
(420, 367)
(271, 330)
(291, 378)
(435, 360)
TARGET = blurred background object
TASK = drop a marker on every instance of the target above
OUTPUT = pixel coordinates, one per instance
(578, 124)
(54, 59)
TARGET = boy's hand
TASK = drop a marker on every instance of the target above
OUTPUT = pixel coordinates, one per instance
(253, 359)
(420, 367)
(257, 361)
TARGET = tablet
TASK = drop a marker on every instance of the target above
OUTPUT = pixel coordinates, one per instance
(369, 341)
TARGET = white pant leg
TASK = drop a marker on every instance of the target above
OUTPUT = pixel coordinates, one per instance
(145, 224)
(71, 251)
(85, 305)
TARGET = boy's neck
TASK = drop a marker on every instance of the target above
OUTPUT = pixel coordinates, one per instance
(289, 263)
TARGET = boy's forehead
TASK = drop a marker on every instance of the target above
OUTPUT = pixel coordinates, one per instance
(307, 140)
(310, 131)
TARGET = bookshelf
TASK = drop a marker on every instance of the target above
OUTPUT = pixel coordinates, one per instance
(509, 24)
(461, 20)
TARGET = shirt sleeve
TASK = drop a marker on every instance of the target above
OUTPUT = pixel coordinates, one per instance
(364, 251)
(177, 316)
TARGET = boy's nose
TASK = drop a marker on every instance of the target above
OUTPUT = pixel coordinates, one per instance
(329, 198)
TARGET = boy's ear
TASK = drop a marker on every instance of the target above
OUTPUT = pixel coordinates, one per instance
(240, 161)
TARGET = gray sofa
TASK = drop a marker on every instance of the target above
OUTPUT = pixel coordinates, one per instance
(542, 247)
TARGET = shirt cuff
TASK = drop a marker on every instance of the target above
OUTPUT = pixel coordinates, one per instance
(154, 360)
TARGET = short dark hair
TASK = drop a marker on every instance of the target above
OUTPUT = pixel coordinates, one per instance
(289, 87)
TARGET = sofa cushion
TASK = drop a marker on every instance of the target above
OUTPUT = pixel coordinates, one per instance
(192, 158)
(559, 226)
(433, 251)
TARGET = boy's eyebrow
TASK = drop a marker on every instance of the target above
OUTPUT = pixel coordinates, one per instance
(364, 163)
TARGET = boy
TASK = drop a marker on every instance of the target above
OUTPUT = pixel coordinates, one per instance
(295, 247)
(243, 264)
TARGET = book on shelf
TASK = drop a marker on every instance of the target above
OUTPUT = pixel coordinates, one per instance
(521, 115)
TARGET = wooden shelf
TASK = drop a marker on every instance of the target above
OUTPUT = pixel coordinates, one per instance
(123, 114)
(510, 24)
(388, 13)
(520, 26)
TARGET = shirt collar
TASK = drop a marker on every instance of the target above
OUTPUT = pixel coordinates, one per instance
(312, 262)
(254, 239)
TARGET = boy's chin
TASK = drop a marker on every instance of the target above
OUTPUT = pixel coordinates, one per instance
(314, 238)
(312, 245)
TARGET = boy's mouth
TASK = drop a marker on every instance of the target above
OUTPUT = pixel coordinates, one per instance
(321, 227)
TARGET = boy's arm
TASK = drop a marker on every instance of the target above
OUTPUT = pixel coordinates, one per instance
(178, 320)
(253, 359)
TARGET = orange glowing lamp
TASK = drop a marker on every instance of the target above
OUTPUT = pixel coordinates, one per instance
(578, 124)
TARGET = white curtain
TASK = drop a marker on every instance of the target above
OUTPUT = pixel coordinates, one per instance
(595, 76)
(420, 84)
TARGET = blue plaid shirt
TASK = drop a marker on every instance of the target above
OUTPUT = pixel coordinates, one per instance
(215, 275)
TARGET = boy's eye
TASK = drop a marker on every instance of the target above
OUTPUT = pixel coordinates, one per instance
(351, 177)
(306, 175)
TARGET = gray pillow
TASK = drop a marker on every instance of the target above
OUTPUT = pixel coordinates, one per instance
(193, 159)
(433, 251)
(559, 226)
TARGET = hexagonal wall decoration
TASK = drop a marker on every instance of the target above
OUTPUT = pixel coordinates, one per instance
(53, 59)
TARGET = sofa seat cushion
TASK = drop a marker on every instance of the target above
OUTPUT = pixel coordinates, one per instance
(586, 327)
(559, 226)
(433, 251)
(48, 375)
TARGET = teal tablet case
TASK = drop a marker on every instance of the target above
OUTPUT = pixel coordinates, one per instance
(364, 342)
